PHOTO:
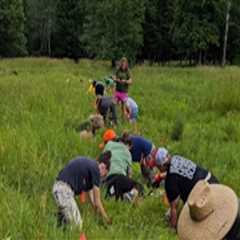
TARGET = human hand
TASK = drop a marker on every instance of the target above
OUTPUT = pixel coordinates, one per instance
(155, 184)
(168, 215)
(109, 221)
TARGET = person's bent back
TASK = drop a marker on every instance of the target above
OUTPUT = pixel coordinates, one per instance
(80, 175)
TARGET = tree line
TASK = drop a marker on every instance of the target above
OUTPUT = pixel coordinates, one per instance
(187, 31)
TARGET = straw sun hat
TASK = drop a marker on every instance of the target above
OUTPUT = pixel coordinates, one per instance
(209, 213)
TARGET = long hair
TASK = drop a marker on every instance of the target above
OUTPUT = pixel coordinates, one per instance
(122, 61)
(105, 158)
(125, 138)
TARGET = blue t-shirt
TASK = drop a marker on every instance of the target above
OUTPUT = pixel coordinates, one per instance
(81, 174)
(140, 146)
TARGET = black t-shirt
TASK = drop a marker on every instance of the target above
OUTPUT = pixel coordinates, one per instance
(182, 176)
(81, 174)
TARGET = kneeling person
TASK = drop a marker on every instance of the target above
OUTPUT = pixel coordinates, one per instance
(80, 175)
(124, 188)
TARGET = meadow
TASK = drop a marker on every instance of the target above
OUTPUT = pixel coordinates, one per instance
(194, 112)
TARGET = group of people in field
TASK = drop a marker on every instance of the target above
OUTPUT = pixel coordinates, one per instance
(210, 210)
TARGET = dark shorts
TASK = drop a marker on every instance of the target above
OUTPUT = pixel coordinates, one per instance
(118, 184)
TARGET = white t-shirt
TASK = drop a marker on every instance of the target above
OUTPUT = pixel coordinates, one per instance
(131, 104)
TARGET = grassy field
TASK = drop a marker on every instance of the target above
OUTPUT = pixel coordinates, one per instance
(193, 111)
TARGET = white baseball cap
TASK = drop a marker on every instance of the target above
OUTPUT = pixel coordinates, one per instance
(161, 156)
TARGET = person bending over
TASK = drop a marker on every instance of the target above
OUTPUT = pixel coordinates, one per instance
(105, 106)
(181, 176)
(80, 175)
(142, 151)
(131, 110)
(118, 181)
(87, 128)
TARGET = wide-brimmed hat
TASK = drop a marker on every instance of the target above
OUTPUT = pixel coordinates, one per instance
(209, 212)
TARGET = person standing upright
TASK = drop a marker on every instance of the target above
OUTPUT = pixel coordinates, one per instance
(123, 80)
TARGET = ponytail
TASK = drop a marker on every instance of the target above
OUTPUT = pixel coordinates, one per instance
(126, 139)
(105, 158)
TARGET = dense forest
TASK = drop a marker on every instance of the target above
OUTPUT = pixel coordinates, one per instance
(163, 31)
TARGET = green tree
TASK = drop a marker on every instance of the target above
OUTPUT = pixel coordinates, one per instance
(114, 29)
(12, 37)
(158, 44)
(40, 25)
(195, 28)
(69, 28)
(233, 46)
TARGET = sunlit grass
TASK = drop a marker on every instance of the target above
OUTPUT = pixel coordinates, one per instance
(192, 111)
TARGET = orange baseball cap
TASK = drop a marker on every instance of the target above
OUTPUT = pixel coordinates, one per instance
(109, 135)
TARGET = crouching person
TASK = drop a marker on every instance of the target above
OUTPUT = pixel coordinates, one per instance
(88, 128)
(105, 106)
(124, 188)
(80, 175)
(131, 109)
(119, 182)
(181, 177)
(211, 212)
(142, 151)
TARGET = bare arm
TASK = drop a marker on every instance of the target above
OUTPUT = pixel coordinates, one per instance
(143, 160)
(114, 77)
(91, 197)
(173, 213)
(129, 172)
(97, 105)
(163, 175)
(129, 81)
(99, 205)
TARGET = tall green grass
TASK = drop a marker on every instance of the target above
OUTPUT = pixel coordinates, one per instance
(192, 111)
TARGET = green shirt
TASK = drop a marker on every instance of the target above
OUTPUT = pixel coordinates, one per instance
(121, 158)
(122, 75)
